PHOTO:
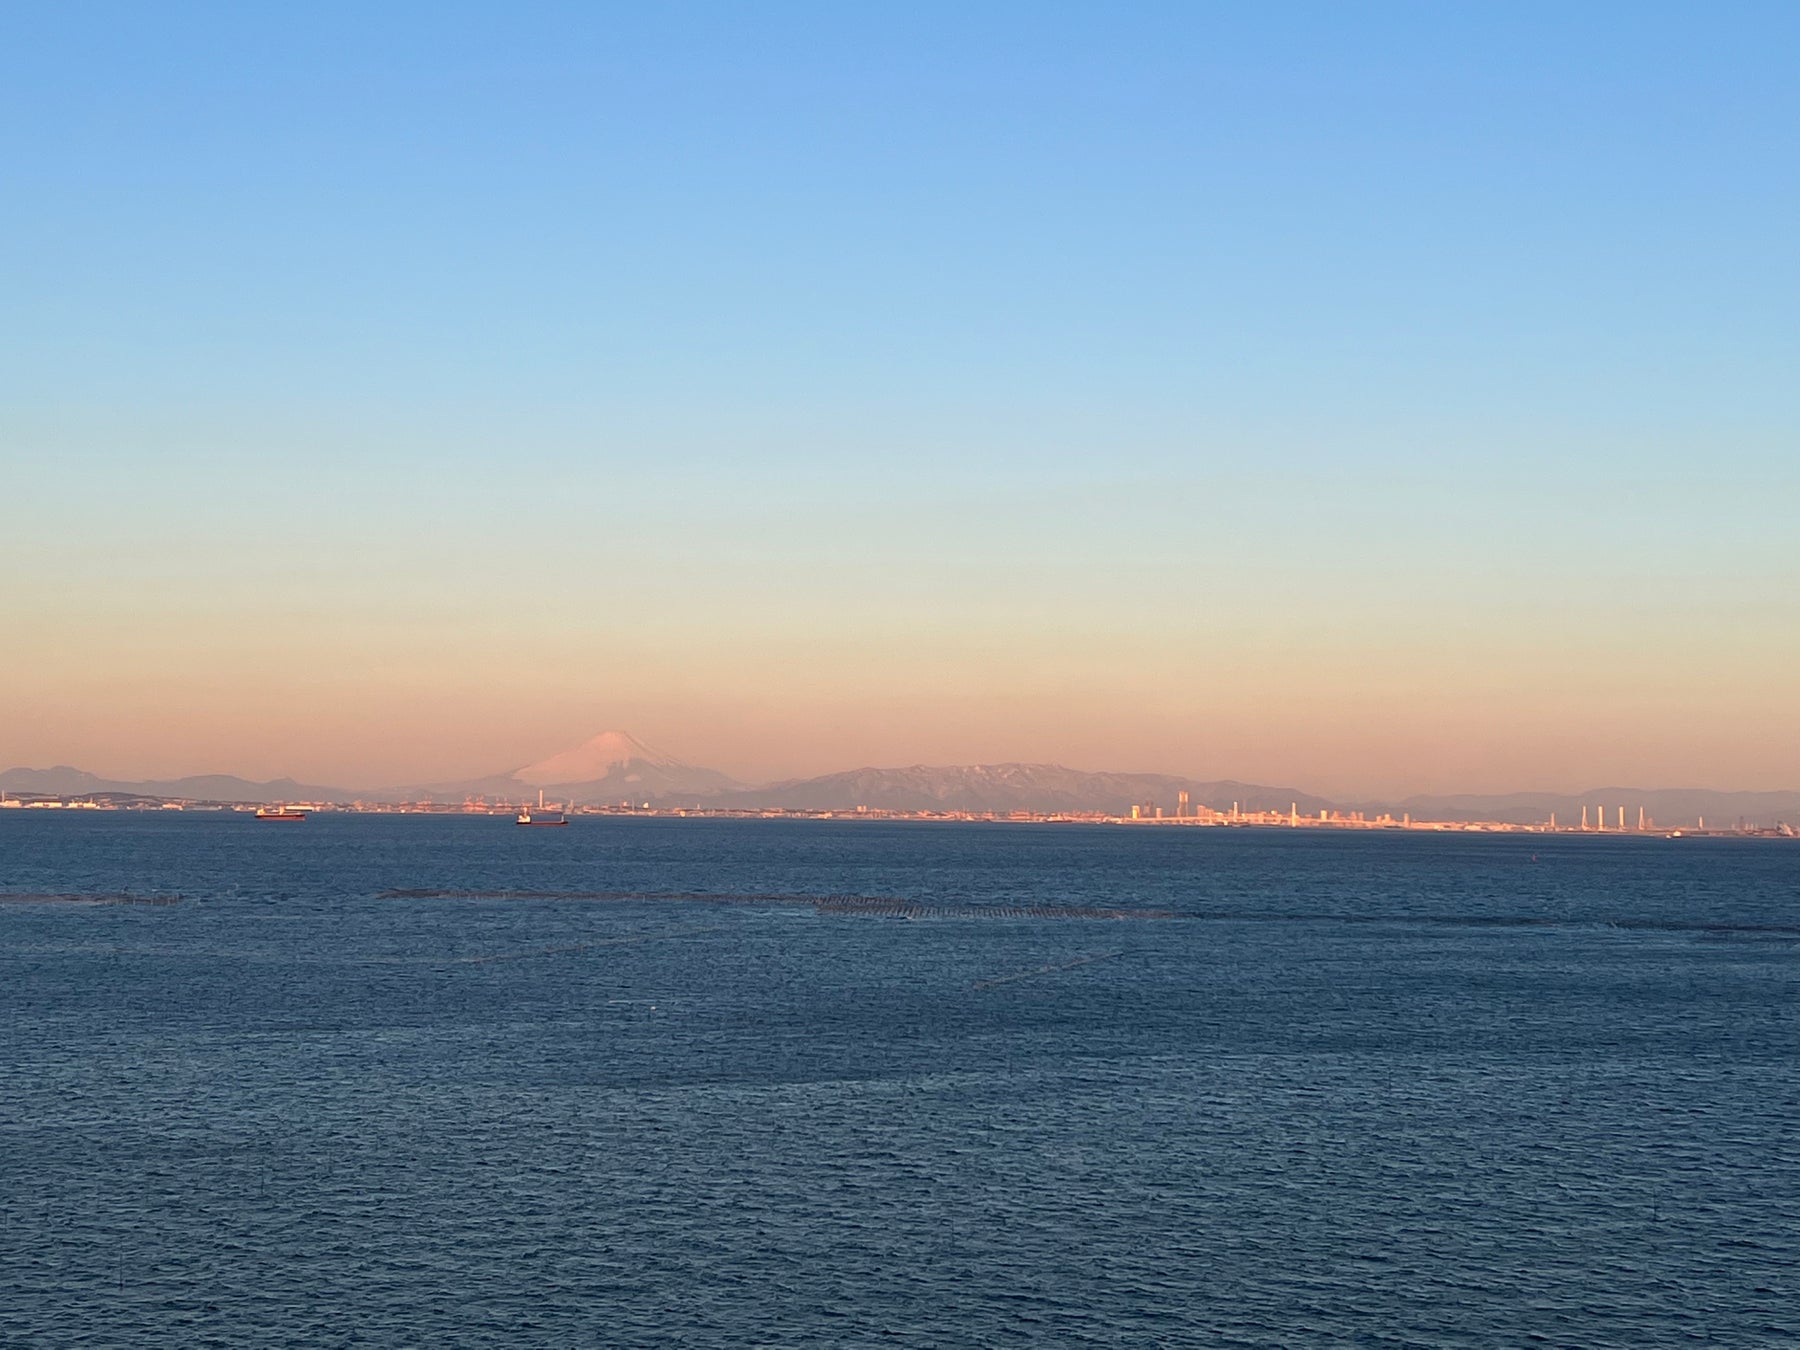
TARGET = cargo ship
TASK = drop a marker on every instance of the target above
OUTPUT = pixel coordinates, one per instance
(282, 812)
(542, 816)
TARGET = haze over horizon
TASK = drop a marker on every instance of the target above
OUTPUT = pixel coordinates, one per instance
(593, 757)
(1380, 401)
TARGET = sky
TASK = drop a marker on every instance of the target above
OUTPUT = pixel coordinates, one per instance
(1374, 399)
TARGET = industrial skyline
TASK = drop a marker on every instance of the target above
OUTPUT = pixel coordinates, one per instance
(1147, 813)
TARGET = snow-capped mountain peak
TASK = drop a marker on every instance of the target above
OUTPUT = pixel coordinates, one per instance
(594, 759)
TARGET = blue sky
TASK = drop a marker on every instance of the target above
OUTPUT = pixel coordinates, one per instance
(811, 385)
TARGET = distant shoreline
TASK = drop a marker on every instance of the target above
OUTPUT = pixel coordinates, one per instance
(1211, 820)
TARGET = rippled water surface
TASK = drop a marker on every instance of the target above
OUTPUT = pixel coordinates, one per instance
(1357, 1090)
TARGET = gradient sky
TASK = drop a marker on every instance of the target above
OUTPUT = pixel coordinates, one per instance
(1373, 398)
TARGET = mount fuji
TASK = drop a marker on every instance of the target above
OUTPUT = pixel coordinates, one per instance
(593, 760)
(609, 768)
(616, 765)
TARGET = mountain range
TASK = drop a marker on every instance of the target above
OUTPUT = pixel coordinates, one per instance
(615, 767)
(1010, 787)
(63, 781)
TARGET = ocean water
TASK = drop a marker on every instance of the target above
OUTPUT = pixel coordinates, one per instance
(1356, 1090)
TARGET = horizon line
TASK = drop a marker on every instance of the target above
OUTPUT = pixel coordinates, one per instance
(745, 786)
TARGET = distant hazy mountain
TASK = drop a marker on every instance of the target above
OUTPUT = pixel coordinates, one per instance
(1009, 787)
(1665, 806)
(62, 781)
(54, 782)
(611, 767)
(616, 767)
